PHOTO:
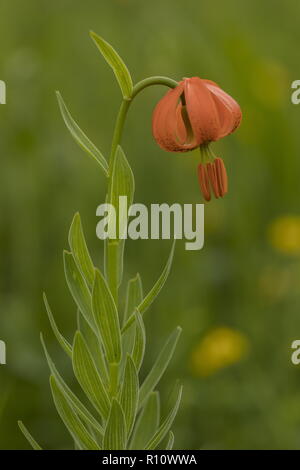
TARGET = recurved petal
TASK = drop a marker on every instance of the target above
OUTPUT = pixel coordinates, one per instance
(202, 110)
(169, 126)
(229, 111)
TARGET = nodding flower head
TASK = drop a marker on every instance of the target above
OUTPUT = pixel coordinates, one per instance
(194, 114)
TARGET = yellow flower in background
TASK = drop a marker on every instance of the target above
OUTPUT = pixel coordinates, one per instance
(220, 348)
(284, 234)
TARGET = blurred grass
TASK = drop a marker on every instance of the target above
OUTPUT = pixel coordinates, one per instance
(240, 280)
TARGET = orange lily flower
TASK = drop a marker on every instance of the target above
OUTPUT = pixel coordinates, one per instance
(192, 115)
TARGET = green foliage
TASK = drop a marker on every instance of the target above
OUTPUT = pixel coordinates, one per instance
(79, 289)
(153, 293)
(115, 431)
(106, 319)
(78, 431)
(159, 366)
(116, 63)
(62, 341)
(29, 437)
(79, 136)
(165, 425)
(88, 376)
(79, 250)
(124, 409)
(147, 423)
(70, 397)
(129, 394)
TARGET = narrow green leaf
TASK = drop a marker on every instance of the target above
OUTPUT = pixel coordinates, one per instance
(134, 296)
(170, 442)
(74, 425)
(151, 296)
(159, 366)
(78, 288)
(80, 251)
(116, 63)
(139, 341)
(95, 347)
(106, 318)
(115, 432)
(62, 341)
(147, 422)
(122, 187)
(70, 397)
(88, 376)
(29, 437)
(114, 264)
(129, 394)
(79, 136)
(127, 340)
(165, 426)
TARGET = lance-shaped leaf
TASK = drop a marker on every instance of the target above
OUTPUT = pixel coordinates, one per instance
(62, 341)
(151, 296)
(129, 394)
(147, 423)
(80, 251)
(29, 437)
(106, 318)
(159, 366)
(88, 376)
(166, 424)
(139, 341)
(78, 288)
(116, 63)
(120, 197)
(122, 187)
(95, 347)
(70, 397)
(79, 136)
(134, 296)
(115, 431)
(68, 415)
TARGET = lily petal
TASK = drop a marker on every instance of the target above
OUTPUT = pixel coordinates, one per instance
(169, 123)
(229, 111)
(202, 110)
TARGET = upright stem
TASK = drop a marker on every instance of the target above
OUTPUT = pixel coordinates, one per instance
(117, 136)
(114, 246)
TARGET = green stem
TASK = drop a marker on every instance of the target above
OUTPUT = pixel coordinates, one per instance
(153, 81)
(113, 249)
(112, 255)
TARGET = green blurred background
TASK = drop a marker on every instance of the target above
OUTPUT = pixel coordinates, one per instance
(241, 292)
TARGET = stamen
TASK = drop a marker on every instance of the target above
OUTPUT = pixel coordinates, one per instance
(211, 171)
(221, 176)
(204, 182)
